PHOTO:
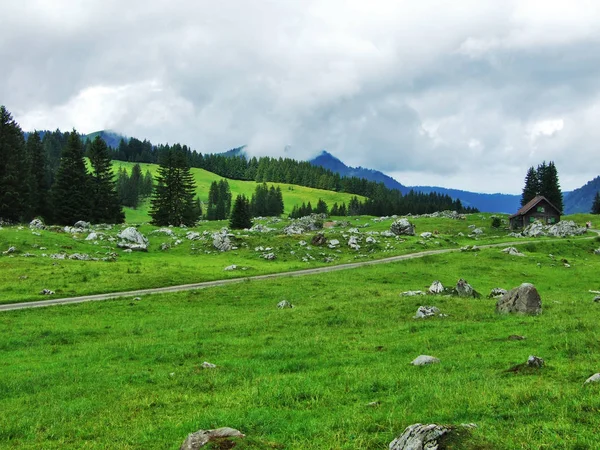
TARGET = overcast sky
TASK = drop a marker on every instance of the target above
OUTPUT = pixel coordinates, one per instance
(464, 94)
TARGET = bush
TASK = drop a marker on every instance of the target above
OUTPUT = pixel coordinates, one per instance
(496, 222)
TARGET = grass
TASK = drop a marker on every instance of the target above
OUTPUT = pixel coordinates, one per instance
(292, 194)
(22, 278)
(127, 374)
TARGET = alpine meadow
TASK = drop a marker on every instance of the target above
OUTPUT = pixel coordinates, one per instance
(314, 225)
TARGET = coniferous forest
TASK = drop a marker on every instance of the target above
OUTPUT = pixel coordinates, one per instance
(44, 174)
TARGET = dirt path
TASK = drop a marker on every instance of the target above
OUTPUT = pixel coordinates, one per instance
(208, 284)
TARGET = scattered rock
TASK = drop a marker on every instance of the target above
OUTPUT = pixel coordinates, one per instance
(426, 235)
(464, 289)
(370, 240)
(132, 239)
(593, 379)
(334, 243)
(82, 224)
(436, 287)
(421, 437)
(476, 232)
(58, 256)
(93, 236)
(207, 365)
(426, 311)
(221, 241)
(166, 231)
(165, 246)
(353, 243)
(512, 251)
(269, 256)
(402, 227)
(202, 437)
(46, 292)
(524, 299)
(260, 228)
(80, 257)
(230, 268)
(319, 240)
(534, 361)
(424, 360)
(561, 229)
(597, 299)
(284, 304)
(36, 224)
(192, 235)
(470, 248)
(411, 293)
(10, 250)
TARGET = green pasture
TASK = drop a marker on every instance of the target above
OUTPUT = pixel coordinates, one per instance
(127, 374)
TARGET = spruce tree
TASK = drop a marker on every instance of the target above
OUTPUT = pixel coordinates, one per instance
(240, 214)
(531, 188)
(13, 170)
(596, 204)
(550, 186)
(105, 206)
(70, 192)
(173, 199)
(40, 177)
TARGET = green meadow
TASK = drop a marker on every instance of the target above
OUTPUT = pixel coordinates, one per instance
(292, 194)
(332, 373)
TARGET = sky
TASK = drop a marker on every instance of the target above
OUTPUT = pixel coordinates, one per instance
(465, 94)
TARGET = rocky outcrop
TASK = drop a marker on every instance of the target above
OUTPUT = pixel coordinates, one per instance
(561, 229)
(524, 299)
(202, 437)
(221, 241)
(36, 224)
(402, 227)
(132, 239)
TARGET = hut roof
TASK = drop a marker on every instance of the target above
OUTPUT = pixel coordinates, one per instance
(531, 204)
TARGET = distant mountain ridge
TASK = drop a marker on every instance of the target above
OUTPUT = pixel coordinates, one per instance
(501, 203)
(580, 200)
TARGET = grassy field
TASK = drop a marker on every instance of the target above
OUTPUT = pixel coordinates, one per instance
(292, 194)
(26, 272)
(127, 374)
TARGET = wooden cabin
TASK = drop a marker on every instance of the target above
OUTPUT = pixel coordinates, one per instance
(538, 208)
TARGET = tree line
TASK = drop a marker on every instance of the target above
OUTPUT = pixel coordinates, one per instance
(543, 180)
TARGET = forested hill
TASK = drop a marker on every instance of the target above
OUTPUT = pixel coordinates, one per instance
(580, 200)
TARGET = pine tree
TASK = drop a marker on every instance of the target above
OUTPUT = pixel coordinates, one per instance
(13, 170)
(531, 188)
(321, 207)
(240, 214)
(40, 177)
(70, 192)
(550, 186)
(596, 204)
(105, 206)
(173, 199)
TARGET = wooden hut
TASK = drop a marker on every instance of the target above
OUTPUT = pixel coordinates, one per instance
(538, 208)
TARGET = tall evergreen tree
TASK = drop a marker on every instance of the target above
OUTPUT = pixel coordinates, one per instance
(13, 170)
(70, 192)
(531, 188)
(596, 204)
(40, 177)
(105, 206)
(550, 186)
(240, 214)
(173, 199)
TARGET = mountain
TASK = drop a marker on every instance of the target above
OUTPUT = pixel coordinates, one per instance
(328, 161)
(580, 200)
(238, 151)
(484, 202)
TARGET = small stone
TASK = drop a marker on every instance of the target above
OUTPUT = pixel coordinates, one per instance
(411, 293)
(202, 437)
(230, 268)
(373, 404)
(284, 304)
(426, 311)
(207, 365)
(593, 379)
(534, 361)
(424, 360)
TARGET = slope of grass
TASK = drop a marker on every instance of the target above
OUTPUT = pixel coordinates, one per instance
(127, 374)
(292, 194)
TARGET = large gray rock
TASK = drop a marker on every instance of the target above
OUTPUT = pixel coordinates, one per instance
(524, 299)
(421, 437)
(132, 239)
(536, 229)
(36, 224)
(436, 287)
(221, 241)
(512, 251)
(426, 311)
(565, 228)
(464, 289)
(82, 224)
(202, 437)
(402, 227)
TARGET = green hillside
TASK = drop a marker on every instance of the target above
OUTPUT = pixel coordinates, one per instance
(292, 194)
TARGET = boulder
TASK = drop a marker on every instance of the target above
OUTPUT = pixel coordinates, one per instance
(36, 224)
(192, 235)
(284, 304)
(370, 240)
(436, 287)
(564, 229)
(318, 240)
(132, 239)
(353, 243)
(202, 437)
(421, 437)
(402, 227)
(536, 229)
(269, 256)
(230, 268)
(93, 236)
(10, 250)
(426, 235)
(82, 224)
(524, 299)
(207, 365)
(423, 360)
(426, 311)
(334, 243)
(221, 241)
(464, 289)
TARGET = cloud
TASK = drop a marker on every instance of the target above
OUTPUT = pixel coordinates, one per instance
(427, 90)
